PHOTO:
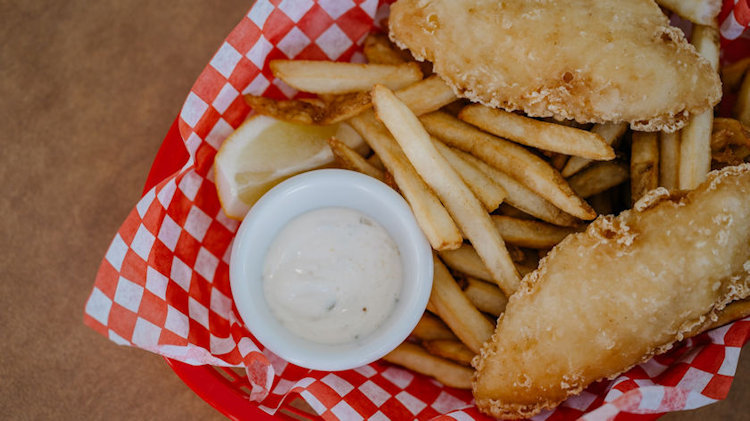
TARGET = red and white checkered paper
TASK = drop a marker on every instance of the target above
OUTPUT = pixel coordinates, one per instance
(164, 283)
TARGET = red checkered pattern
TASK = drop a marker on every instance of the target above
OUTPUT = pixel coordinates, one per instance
(734, 18)
(163, 285)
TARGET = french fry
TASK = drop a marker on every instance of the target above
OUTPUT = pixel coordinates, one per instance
(431, 308)
(484, 188)
(433, 218)
(742, 106)
(337, 109)
(486, 297)
(695, 147)
(430, 328)
(702, 12)
(375, 161)
(515, 160)
(527, 233)
(451, 350)
(669, 159)
(455, 107)
(558, 161)
(539, 134)
(424, 96)
(416, 358)
(644, 164)
(293, 111)
(427, 95)
(461, 203)
(378, 49)
(598, 178)
(453, 308)
(610, 132)
(516, 254)
(348, 158)
(342, 107)
(731, 75)
(730, 142)
(508, 210)
(520, 197)
(466, 260)
(327, 77)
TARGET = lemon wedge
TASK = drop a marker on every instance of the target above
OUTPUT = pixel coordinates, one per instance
(265, 151)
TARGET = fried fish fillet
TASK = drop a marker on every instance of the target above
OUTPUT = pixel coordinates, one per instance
(622, 291)
(587, 60)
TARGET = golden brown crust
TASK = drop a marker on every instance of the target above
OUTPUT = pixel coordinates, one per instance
(575, 59)
(618, 291)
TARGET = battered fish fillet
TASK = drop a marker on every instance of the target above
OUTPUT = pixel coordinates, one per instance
(613, 296)
(587, 60)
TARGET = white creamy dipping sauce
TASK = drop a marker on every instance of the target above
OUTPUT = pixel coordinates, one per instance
(332, 275)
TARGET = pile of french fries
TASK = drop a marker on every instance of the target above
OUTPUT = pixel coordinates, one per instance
(494, 191)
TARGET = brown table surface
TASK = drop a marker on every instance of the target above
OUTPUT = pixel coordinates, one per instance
(87, 93)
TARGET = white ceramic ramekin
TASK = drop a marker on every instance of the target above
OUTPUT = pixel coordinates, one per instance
(306, 192)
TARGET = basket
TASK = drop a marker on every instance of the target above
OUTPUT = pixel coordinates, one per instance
(225, 388)
(228, 389)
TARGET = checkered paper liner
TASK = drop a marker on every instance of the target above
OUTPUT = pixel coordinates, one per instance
(164, 283)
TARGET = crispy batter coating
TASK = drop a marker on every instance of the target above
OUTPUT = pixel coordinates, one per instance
(613, 296)
(587, 60)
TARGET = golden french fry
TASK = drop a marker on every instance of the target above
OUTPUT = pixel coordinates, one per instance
(742, 106)
(598, 178)
(539, 134)
(327, 77)
(669, 159)
(433, 218)
(702, 12)
(558, 161)
(335, 110)
(516, 254)
(610, 132)
(531, 234)
(524, 269)
(375, 161)
(378, 49)
(431, 328)
(349, 159)
(466, 260)
(515, 160)
(731, 75)
(508, 210)
(427, 95)
(730, 142)
(484, 188)
(451, 350)
(485, 296)
(293, 111)
(416, 358)
(695, 147)
(644, 164)
(520, 197)
(455, 107)
(453, 308)
(463, 206)
(342, 107)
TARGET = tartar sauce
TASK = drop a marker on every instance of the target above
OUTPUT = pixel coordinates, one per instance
(332, 275)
